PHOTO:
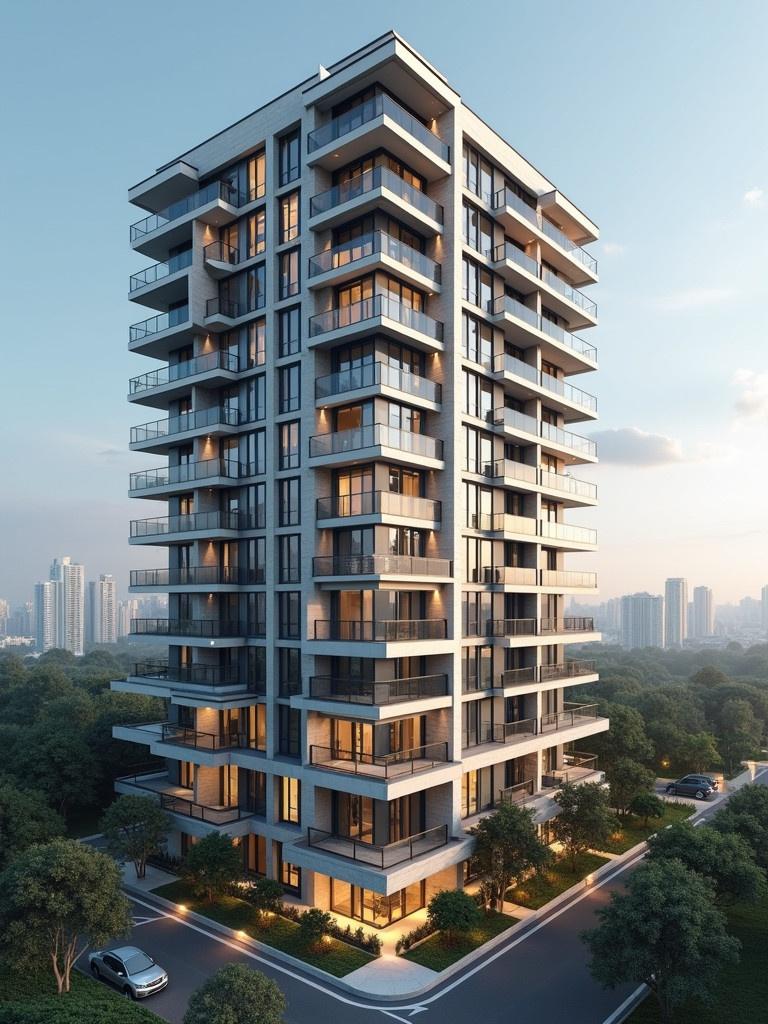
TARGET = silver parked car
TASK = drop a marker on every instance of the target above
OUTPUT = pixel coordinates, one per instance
(131, 970)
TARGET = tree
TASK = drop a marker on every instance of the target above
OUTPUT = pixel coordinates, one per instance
(724, 857)
(585, 820)
(135, 827)
(235, 994)
(507, 846)
(55, 900)
(453, 912)
(665, 932)
(698, 752)
(739, 733)
(709, 677)
(266, 896)
(314, 925)
(212, 865)
(746, 814)
(25, 818)
(59, 763)
(626, 737)
(626, 779)
(647, 805)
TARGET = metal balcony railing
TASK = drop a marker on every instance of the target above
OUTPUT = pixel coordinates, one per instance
(571, 716)
(188, 627)
(201, 812)
(197, 575)
(576, 766)
(380, 857)
(198, 675)
(386, 766)
(546, 673)
(221, 252)
(520, 793)
(381, 630)
(377, 692)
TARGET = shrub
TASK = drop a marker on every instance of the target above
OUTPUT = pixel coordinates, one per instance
(405, 942)
(212, 865)
(452, 911)
(266, 896)
(647, 805)
(315, 924)
(236, 993)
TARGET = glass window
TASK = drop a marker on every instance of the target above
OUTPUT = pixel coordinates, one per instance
(257, 344)
(255, 398)
(289, 157)
(288, 502)
(289, 721)
(289, 273)
(289, 671)
(257, 233)
(289, 217)
(290, 800)
(289, 378)
(253, 452)
(288, 612)
(289, 331)
(288, 456)
(289, 558)
(257, 176)
(289, 874)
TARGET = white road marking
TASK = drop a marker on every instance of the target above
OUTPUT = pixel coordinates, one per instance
(388, 1013)
(629, 1003)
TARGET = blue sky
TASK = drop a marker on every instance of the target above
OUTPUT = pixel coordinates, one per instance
(651, 116)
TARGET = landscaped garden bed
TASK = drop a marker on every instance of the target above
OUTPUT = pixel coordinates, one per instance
(437, 954)
(332, 955)
(634, 830)
(31, 997)
(545, 885)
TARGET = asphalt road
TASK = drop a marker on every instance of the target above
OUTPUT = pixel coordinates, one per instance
(540, 975)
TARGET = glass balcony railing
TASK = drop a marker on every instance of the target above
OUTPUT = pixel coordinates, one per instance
(383, 766)
(167, 476)
(377, 691)
(546, 673)
(380, 565)
(380, 630)
(571, 624)
(158, 324)
(160, 270)
(184, 422)
(571, 716)
(194, 522)
(505, 304)
(501, 522)
(567, 532)
(568, 484)
(368, 111)
(363, 246)
(505, 197)
(568, 292)
(370, 374)
(506, 363)
(221, 252)
(517, 575)
(564, 438)
(339, 442)
(377, 177)
(380, 857)
(568, 578)
(217, 190)
(183, 370)
(376, 306)
(507, 251)
(197, 575)
(507, 469)
(367, 503)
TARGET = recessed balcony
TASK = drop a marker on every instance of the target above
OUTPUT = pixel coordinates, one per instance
(391, 566)
(380, 630)
(374, 251)
(220, 258)
(377, 189)
(377, 692)
(194, 526)
(167, 479)
(377, 507)
(215, 204)
(526, 327)
(195, 576)
(378, 123)
(159, 434)
(380, 766)
(525, 380)
(222, 313)
(376, 441)
(379, 857)
(162, 284)
(196, 628)
(381, 314)
(160, 387)
(379, 378)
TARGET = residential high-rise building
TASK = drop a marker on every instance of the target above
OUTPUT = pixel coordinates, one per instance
(642, 620)
(675, 612)
(364, 310)
(126, 612)
(702, 622)
(5, 611)
(101, 605)
(69, 578)
(46, 616)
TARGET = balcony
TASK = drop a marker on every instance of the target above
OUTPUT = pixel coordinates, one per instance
(154, 436)
(222, 313)
(577, 767)
(206, 676)
(343, 447)
(159, 334)
(220, 258)
(572, 716)
(380, 857)
(198, 628)
(526, 327)
(196, 576)
(378, 692)
(567, 579)
(571, 446)
(215, 472)
(215, 204)
(578, 492)
(209, 524)
(513, 628)
(377, 378)
(505, 732)
(381, 565)
(564, 535)
(177, 379)
(572, 402)
(525, 274)
(379, 188)
(378, 123)
(161, 283)
(383, 505)
(502, 522)
(381, 630)
(526, 224)
(508, 575)
(376, 250)
(379, 313)
(517, 677)
(380, 766)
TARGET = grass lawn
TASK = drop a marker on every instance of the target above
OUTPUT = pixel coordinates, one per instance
(633, 831)
(434, 952)
(742, 991)
(30, 998)
(335, 957)
(541, 888)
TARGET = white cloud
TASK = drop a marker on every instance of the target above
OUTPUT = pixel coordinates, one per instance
(613, 248)
(752, 394)
(695, 298)
(631, 446)
(754, 198)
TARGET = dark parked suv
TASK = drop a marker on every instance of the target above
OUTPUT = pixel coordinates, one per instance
(700, 786)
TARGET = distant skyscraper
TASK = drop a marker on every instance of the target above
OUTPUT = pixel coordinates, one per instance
(46, 615)
(642, 620)
(70, 580)
(101, 610)
(4, 613)
(764, 608)
(703, 623)
(675, 612)
(126, 611)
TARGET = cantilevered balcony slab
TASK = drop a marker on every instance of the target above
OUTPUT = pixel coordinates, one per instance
(159, 335)
(386, 638)
(188, 816)
(524, 381)
(524, 327)
(516, 681)
(217, 204)
(162, 285)
(375, 441)
(377, 189)
(379, 314)
(158, 436)
(425, 573)
(375, 700)
(365, 254)
(168, 185)
(158, 388)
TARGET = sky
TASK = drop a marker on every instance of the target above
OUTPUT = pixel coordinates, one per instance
(650, 115)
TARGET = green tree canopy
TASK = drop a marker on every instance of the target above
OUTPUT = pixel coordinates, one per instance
(235, 994)
(627, 736)
(25, 818)
(739, 733)
(626, 780)
(453, 912)
(507, 846)
(647, 805)
(212, 865)
(56, 899)
(585, 820)
(135, 827)
(746, 814)
(666, 932)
